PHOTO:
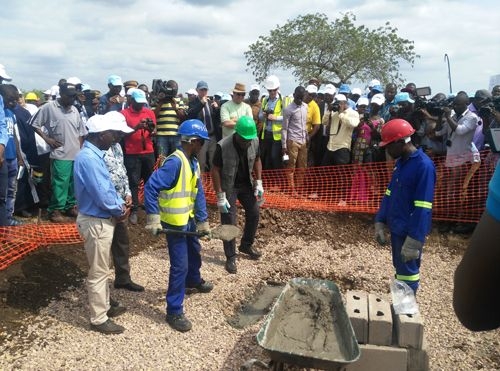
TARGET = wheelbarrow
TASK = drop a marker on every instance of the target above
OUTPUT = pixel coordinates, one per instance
(308, 327)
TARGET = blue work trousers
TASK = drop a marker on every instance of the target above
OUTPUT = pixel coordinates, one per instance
(185, 263)
(3, 194)
(408, 272)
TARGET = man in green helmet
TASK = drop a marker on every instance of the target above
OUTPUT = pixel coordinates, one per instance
(236, 156)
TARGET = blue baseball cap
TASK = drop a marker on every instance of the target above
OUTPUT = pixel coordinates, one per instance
(344, 89)
(202, 85)
(403, 97)
(139, 96)
(115, 80)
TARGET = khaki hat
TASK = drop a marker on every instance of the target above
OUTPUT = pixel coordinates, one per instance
(239, 88)
(131, 84)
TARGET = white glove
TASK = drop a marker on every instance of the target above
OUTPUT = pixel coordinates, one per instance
(223, 203)
(204, 229)
(380, 233)
(411, 249)
(153, 224)
(259, 189)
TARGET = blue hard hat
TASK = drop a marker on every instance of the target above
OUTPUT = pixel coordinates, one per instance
(193, 128)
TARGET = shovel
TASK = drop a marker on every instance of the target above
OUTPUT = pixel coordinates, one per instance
(225, 232)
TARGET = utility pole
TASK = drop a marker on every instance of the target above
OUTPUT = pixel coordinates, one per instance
(447, 59)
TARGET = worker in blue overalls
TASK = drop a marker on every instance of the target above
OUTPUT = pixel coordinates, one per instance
(174, 199)
(406, 207)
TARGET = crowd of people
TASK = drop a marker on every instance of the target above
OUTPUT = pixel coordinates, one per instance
(77, 153)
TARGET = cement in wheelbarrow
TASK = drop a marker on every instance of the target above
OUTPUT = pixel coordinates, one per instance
(308, 326)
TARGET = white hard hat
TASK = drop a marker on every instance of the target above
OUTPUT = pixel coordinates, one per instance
(73, 80)
(272, 82)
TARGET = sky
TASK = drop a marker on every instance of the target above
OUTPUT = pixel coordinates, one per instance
(192, 40)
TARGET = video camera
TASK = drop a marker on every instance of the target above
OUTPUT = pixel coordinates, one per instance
(161, 90)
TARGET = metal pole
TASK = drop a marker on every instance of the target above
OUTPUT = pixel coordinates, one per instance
(447, 59)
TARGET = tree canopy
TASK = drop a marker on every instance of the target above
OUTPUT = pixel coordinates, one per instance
(338, 51)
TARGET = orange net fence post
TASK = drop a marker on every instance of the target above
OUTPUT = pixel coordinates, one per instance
(460, 195)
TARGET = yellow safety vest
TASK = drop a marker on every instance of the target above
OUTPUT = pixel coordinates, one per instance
(177, 204)
(276, 125)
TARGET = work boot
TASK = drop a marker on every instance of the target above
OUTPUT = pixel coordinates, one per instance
(57, 217)
(179, 322)
(231, 264)
(108, 328)
(203, 287)
(250, 251)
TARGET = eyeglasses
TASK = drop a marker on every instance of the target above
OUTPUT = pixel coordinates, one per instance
(239, 94)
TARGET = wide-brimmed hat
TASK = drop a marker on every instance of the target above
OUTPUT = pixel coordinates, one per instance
(239, 88)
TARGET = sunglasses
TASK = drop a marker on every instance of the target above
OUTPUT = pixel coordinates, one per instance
(240, 94)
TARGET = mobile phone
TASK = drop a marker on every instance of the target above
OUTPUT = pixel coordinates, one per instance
(20, 172)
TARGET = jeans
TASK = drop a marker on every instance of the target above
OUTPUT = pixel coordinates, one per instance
(249, 203)
(11, 187)
(166, 144)
(138, 167)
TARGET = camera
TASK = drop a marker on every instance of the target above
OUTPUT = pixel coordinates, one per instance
(486, 110)
(161, 90)
(269, 111)
(150, 125)
(335, 107)
(449, 143)
(366, 116)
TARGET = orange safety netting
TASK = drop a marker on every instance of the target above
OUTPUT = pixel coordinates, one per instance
(460, 195)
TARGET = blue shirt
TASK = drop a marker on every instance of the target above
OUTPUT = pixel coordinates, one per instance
(4, 138)
(407, 204)
(165, 178)
(10, 148)
(94, 190)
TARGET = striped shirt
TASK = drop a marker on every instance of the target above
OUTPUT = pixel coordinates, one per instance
(167, 121)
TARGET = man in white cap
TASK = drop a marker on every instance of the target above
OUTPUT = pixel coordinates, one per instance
(100, 208)
(271, 113)
(3, 74)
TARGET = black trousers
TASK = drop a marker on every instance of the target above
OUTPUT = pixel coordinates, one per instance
(120, 252)
(249, 203)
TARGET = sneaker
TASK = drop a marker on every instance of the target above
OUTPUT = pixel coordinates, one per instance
(203, 287)
(72, 213)
(14, 222)
(250, 251)
(116, 310)
(133, 218)
(108, 328)
(231, 264)
(57, 217)
(179, 322)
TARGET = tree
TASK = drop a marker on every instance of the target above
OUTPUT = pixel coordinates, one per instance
(338, 51)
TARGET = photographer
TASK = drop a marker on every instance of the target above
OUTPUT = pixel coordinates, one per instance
(170, 113)
(139, 151)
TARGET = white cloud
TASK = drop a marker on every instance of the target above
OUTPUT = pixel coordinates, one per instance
(189, 40)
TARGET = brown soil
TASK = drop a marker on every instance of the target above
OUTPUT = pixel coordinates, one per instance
(31, 283)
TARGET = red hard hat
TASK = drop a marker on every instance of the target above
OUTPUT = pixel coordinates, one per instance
(395, 130)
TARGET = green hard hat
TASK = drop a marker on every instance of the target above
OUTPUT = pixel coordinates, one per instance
(246, 128)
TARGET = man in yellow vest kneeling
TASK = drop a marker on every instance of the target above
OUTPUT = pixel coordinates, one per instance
(174, 199)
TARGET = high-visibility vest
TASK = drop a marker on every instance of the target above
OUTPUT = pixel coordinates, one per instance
(177, 204)
(276, 125)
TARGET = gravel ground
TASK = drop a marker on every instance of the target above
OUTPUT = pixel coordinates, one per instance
(338, 247)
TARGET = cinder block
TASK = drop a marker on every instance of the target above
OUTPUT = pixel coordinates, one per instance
(379, 321)
(418, 359)
(410, 330)
(357, 310)
(377, 358)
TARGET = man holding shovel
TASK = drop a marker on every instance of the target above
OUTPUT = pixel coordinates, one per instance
(175, 203)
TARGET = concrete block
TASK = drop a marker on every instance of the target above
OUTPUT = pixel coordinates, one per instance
(418, 359)
(379, 321)
(377, 358)
(357, 310)
(409, 330)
